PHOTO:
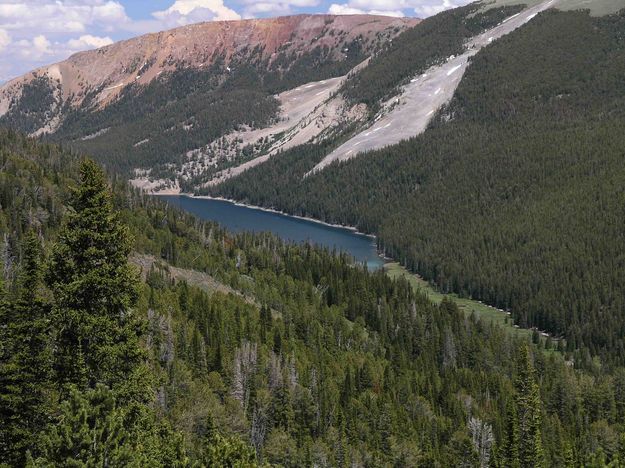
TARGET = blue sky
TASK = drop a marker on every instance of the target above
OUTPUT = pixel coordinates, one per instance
(38, 32)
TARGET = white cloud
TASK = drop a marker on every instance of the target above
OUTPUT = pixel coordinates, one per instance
(192, 11)
(346, 9)
(382, 5)
(5, 39)
(336, 9)
(44, 31)
(395, 13)
(34, 50)
(41, 45)
(432, 7)
(109, 11)
(88, 41)
(61, 16)
(422, 8)
(252, 8)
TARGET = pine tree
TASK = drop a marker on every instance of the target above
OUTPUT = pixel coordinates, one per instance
(509, 452)
(529, 413)
(24, 359)
(282, 408)
(496, 460)
(94, 289)
(91, 432)
(265, 322)
(277, 341)
(341, 449)
(220, 451)
(460, 452)
(347, 391)
(569, 457)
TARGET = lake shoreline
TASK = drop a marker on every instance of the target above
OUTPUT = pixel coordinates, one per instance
(393, 268)
(271, 210)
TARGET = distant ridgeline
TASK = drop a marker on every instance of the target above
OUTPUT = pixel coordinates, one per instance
(514, 195)
(188, 104)
(239, 350)
(157, 125)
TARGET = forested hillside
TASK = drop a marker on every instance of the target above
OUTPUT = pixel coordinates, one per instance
(514, 195)
(155, 126)
(415, 50)
(310, 361)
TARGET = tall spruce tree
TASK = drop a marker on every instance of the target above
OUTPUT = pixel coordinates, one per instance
(528, 404)
(510, 444)
(95, 290)
(25, 361)
(221, 451)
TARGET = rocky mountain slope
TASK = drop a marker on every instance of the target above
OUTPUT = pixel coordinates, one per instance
(408, 113)
(154, 99)
(377, 104)
(187, 109)
(103, 74)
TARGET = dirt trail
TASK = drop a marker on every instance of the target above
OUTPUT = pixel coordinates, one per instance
(408, 114)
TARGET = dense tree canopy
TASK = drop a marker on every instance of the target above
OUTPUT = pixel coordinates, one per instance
(221, 349)
(513, 195)
(298, 358)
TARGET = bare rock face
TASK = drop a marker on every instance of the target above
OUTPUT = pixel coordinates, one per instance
(101, 75)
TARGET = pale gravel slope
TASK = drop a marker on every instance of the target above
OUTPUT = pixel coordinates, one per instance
(306, 112)
(408, 114)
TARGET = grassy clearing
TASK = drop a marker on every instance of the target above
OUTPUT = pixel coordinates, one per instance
(468, 306)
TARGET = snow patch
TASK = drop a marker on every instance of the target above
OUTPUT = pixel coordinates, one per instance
(95, 135)
(454, 69)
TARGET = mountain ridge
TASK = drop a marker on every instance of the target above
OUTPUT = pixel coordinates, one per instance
(102, 74)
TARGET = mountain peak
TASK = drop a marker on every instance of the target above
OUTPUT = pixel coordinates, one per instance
(105, 72)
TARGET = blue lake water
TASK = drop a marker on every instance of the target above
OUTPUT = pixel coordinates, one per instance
(241, 218)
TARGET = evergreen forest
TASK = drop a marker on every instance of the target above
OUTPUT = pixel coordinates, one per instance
(133, 334)
(513, 196)
(263, 353)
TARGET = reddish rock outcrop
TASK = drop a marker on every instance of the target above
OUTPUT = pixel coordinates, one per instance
(106, 71)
